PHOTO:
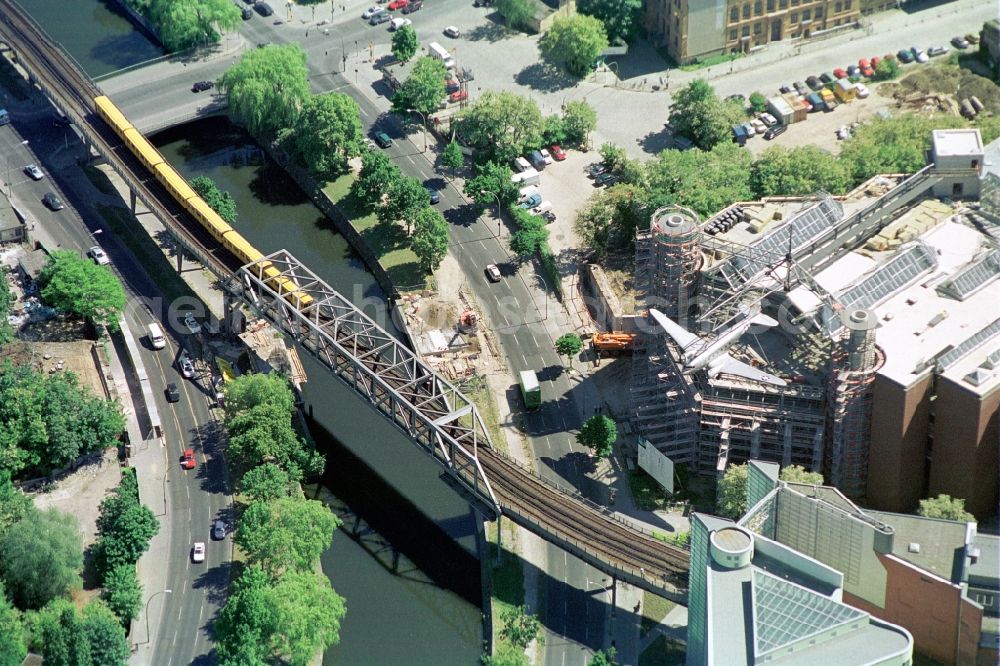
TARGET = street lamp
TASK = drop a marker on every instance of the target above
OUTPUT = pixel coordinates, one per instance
(153, 596)
(423, 118)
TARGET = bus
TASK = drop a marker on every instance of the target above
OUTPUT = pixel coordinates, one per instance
(531, 390)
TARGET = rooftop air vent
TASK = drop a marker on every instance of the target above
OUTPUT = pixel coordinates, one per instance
(914, 547)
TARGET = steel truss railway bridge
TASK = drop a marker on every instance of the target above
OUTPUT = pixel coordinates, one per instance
(394, 381)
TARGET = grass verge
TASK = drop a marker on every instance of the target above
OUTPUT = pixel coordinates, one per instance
(508, 576)
(390, 244)
(654, 609)
(709, 61)
(646, 492)
(148, 254)
(663, 652)
(477, 390)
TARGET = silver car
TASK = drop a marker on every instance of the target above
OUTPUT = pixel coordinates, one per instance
(98, 254)
(34, 172)
(186, 366)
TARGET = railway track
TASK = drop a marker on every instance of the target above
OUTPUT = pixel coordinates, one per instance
(524, 496)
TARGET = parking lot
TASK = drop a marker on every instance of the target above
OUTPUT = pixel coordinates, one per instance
(566, 185)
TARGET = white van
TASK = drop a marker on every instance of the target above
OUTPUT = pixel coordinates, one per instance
(441, 54)
(543, 207)
(526, 177)
(156, 339)
(521, 164)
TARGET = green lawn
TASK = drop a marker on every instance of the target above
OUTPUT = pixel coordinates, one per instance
(508, 576)
(654, 609)
(390, 244)
(646, 492)
(478, 391)
(663, 652)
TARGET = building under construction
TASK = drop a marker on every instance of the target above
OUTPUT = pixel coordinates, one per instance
(830, 332)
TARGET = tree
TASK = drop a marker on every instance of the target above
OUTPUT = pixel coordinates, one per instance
(492, 182)
(553, 130)
(123, 593)
(569, 345)
(505, 654)
(81, 287)
(307, 615)
(430, 238)
(602, 658)
(407, 197)
(502, 124)
(452, 157)
(701, 116)
(328, 133)
(945, 507)
(799, 474)
(576, 41)
(579, 120)
(802, 170)
(58, 637)
(125, 543)
(41, 556)
(731, 494)
(248, 391)
(377, 173)
(404, 43)
(12, 648)
(104, 635)
(598, 433)
(267, 89)
(6, 300)
(894, 145)
(516, 13)
(247, 621)
(286, 533)
(611, 218)
(619, 17)
(219, 201)
(758, 103)
(423, 89)
(265, 482)
(530, 237)
(886, 70)
(705, 181)
(264, 433)
(519, 627)
(613, 156)
(182, 25)
(14, 504)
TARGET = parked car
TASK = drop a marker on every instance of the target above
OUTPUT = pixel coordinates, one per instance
(758, 125)
(192, 325)
(52, 201)
(397, 23)
(827, 77)
(34, 172)
(173, 393)
(749, 129)
(960, 42)
(379, 18)
(937, 51)
(451, 31)
(775, 131)
(98, 254)
(905, 55)
(801, 88)
(787, 88)
(202, 86)
(198, 552)
(451, 85)
(853, 70)
(972, 38)
(875, 61)
(807, 104)
(768, 119)
(558, 154)
(919, 55)
(434, 195)
(263, 9)
(493, 273)
(549, 217)
(840, 73)
(736, 98)
(397, 4)
(605, 179)
(186, 366)
(458, 96)
(596, 170)
(531, 201)
(861, 90)
(546, 156)
(814, 83)
(866, 68)
(371, 11)
(246, 13)
(218, 530)
(188, 460)
(383, 140)
(482, 3)
(415, 5)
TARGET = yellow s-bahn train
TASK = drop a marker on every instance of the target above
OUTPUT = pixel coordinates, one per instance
(231, 239)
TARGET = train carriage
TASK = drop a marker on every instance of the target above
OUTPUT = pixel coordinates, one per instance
(107, 110)
(208, 218)
(175, 183)
(143, 149)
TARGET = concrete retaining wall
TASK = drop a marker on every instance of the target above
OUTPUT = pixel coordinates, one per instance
(603, 303)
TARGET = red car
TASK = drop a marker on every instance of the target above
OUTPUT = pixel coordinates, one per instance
(558, 154)
(458, 96)
(187, 460)
(866, 68)
(875, 61)
(397, 4)
(840, 73)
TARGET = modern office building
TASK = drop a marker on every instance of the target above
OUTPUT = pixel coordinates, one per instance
(932, 577)
(866, 326)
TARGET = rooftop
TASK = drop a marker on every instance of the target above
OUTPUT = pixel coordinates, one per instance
(987, 567)
(951, 142)
(932, 544)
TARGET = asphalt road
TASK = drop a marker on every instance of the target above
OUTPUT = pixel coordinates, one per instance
(197, 497)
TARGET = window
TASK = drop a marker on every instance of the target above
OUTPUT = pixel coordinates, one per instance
(795, 17)
(734, 14)
(756, 28)
(836, 23)
(770, 6)
(837, 7)
(795, 3)
(847, 4)
(782, 4)
(758, 8)
(746, 31)
(806, 14)
(746, 11)
(732, 34)
(819, 13)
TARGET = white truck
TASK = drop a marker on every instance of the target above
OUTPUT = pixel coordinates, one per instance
(442, 54)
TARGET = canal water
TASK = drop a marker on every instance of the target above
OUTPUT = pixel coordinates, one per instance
(95, 32)
(408, 575)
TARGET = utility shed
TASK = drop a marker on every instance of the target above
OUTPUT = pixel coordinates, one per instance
(844, 90)
(799, 109)
(781, 109)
